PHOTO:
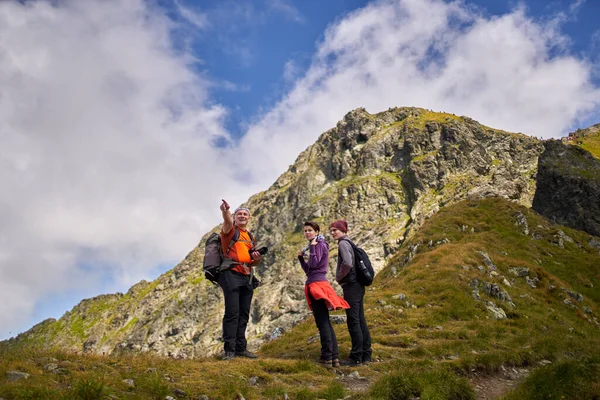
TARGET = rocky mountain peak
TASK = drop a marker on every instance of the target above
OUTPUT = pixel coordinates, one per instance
(384, 173)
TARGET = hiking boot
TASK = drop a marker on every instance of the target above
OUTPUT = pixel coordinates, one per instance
(335, 363)
(349, 362)
(246, 354)
(325, 363)
(228, 355)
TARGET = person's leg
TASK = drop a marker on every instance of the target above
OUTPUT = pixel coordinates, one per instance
(366, 347)
(245, 300)
(335, 354)
(321, 315)
(352, 296)
(230, 318)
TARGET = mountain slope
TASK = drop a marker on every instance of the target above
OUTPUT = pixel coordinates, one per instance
(431, 321)
(385, 173)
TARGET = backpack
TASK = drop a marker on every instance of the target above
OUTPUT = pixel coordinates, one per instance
(362, 265)
(214, 261)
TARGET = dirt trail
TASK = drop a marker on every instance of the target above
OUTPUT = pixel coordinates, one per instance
(491, 387)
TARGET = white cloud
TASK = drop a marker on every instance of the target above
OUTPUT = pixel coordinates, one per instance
(198, 19)
(106, 164)
(507, 72)
(290, 71)
(286, 8)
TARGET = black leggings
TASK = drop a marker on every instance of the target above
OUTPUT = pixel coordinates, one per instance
(329, 346)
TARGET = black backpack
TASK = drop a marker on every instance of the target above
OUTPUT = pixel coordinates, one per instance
(362, 265)
(214, 261)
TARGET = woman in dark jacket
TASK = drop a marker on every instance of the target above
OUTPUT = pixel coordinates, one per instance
(320, 296)
(354, 294)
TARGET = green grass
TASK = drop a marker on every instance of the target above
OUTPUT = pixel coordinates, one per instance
(567, 379)
(426, 344)
(591, 143)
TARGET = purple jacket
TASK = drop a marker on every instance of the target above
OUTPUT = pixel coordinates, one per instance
(318, 262)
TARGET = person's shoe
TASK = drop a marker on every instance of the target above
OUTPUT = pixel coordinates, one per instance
(325, 363)
(246, 354)
(349, 362)
(335, 363)
(228, 355)
(366, 361)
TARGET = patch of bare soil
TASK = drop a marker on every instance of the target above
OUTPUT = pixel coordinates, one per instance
(353, 381)
(490, 387)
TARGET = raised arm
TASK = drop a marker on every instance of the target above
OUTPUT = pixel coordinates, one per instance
(227, 217)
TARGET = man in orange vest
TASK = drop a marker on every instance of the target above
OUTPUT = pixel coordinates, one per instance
(237, 282)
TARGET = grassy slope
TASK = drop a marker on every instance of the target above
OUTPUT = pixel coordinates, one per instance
(422, 351)
(591, 143)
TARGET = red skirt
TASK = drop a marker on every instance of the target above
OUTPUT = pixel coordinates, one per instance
(322, 290)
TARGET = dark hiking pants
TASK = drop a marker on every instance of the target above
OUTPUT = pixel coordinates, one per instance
(354, 294)
(238, 296)
(329, 346)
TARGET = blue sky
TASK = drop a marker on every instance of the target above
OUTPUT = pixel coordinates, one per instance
(282, 38)
(118, 116)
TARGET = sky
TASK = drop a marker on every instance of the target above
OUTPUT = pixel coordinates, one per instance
(123, 123)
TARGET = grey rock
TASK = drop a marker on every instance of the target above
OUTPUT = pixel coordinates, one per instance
(129, 382)
(521, 221)
(519, 271)
(568, 187)
(532, 281)
(51, 367)
(14, 376)
(253, 380)
(203, 397)
(568, 302)
(595, 243)
(338, 319)
(490, 289)
(400, 296)
(487, 260)
(277, 332)
(497, 312)
(575, 295)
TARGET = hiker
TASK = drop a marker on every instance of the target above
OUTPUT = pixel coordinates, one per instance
(354, 294)
(320, 296)
(237, 282)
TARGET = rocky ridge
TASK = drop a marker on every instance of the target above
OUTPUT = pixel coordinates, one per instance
(569, 186)
(384, 173)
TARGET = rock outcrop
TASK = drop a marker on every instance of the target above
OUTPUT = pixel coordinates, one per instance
(384, 173)
(569, 187)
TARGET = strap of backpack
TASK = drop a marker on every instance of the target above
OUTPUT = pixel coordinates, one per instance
(252, 240)
(228, 262)
(235, 237)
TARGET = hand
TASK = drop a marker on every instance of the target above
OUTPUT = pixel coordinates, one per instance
(224, 205)
(301, 253)
(255, 255)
